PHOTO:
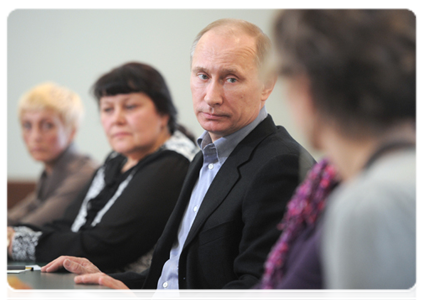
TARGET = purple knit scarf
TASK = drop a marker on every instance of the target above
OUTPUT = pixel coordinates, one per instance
(303, 210)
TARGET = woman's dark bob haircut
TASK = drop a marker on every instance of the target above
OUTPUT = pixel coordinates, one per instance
(135, 77)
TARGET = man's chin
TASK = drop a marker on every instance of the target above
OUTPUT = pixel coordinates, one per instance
(213, 127)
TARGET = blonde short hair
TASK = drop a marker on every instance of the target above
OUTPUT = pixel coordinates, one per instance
(263, 43)
(62, 100)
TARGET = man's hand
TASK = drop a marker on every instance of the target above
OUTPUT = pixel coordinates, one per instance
(87, 271)
(101, 279)
(77, 265)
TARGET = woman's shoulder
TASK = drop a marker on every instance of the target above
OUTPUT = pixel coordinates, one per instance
(385, 191)
(85, 161)
(73, 161)
(181, 144)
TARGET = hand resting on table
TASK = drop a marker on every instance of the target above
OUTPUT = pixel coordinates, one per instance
(87, 272)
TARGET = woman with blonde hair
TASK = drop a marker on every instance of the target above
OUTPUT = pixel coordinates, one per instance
(50, 116)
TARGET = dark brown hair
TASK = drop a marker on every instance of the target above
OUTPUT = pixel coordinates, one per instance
(361, 64)
(135, 77)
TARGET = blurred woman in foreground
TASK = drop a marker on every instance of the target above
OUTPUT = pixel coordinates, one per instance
(50, 116)
(119, 218)
(351, 84)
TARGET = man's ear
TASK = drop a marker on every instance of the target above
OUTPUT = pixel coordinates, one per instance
(268, 86)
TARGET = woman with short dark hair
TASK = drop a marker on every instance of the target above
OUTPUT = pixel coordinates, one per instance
(117, 220)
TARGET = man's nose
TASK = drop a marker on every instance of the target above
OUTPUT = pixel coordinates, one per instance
(214, 93)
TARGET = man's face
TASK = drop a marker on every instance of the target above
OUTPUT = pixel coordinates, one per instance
(226, 90)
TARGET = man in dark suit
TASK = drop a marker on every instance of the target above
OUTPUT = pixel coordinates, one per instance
(237, 187)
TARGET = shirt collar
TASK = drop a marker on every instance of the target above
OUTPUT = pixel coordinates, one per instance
(225, 145)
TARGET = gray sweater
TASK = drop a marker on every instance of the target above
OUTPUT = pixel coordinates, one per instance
(369, 233)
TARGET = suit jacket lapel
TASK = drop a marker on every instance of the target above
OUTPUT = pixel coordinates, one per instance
(171, 230)
(228, 174)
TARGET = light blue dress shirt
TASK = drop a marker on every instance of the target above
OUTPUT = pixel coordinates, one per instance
(215, 155)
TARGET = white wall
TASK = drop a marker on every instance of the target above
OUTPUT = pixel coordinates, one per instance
(75, 47)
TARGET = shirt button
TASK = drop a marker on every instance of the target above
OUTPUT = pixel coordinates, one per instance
(211, 166)
(165, 284)
(195, 208)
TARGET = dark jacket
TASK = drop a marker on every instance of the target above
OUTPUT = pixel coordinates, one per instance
(132, 225)
(235, 227)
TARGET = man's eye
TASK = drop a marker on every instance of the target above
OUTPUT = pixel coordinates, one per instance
(130, 107)
(202, 76)
(231, 80)
(106, 109)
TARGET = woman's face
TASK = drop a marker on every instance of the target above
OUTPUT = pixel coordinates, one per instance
(44, 134)
(132, 124)
(303, 111)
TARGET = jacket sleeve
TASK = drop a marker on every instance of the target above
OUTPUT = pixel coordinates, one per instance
(132, 280)
(130, 228)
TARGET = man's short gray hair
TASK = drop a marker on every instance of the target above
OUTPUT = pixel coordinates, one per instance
(263, 43)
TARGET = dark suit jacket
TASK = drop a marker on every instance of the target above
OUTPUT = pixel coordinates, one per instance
(235, 227)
